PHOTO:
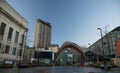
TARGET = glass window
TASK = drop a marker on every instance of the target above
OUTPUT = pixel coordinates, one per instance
(20, 52)
(7, 49)
(2, 29)
(22, 40)
(10, 33)
(14, 51)
(0, 45)
(16, 36)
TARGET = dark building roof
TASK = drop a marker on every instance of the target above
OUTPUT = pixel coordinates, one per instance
(116, 29)
(46, 23)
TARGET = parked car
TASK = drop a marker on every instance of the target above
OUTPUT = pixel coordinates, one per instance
(23, 66)
(106, 66)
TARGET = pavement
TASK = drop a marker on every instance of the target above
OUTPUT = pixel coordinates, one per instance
(59, 69)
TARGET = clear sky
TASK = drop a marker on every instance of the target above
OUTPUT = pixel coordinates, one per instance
(71, 20)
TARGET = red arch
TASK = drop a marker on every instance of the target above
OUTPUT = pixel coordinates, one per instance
(70, 45)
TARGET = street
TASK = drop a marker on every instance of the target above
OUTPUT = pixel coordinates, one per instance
(59, 69)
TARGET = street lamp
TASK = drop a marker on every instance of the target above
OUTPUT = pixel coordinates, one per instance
(90, 52)
(90, 46)
(105, 65)
(23, 45)
(101, 39)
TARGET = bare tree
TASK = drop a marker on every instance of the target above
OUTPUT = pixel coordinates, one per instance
(29, 40)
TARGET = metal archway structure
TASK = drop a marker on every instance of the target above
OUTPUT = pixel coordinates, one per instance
(70, 45)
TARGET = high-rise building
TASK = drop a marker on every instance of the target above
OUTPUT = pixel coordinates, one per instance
(42, 37)
(13, 28)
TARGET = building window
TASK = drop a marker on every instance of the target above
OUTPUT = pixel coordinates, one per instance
(7, 49)
(20, 52)
(16, 36)
(10, 33)
(14, 51)
(0, 45)
(2, 29)
(22, 40)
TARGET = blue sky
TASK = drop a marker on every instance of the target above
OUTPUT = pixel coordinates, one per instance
(71, 20)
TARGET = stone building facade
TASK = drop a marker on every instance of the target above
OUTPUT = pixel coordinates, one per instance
(13, 30)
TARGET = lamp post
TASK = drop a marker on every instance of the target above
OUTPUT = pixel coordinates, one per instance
(105, 65)
(24, 63)
(90, 46)
(23, 44)
(101, 39)
(90, 52)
